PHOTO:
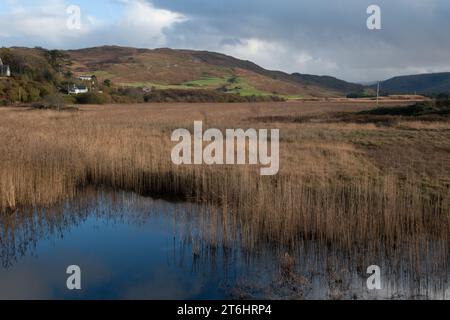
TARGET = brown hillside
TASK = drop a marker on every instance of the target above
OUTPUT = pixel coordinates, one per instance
(139, 67)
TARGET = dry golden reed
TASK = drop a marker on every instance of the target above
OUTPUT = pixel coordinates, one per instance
(355, 185)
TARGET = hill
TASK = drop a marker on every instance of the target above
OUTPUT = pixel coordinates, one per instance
(430, 83)
(330, 82)
(38, 73)
(168, 68)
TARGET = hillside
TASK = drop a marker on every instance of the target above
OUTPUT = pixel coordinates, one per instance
(38, 73)
(430, 83)
(168, 68)
(35, 74)
(330, 82)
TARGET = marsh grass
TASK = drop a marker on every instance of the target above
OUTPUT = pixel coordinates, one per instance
(351, 185)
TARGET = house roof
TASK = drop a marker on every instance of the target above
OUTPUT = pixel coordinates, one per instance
(77, 88)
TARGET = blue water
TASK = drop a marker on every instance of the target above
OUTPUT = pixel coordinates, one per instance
(129, 249)
(134, 247)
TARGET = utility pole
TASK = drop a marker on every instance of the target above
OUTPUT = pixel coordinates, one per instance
(378, 92)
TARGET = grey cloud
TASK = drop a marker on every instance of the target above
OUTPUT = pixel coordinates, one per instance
(308, 36)
(414, 37)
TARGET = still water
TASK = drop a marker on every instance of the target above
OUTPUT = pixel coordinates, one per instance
(133, 247)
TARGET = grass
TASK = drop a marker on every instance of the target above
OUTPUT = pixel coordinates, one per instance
(238, 86)
(208, 82)
(419, 112)
(293, 97)
(420, 109)
(352, 185)
(242, 87)
(158, 86)
(102, 75)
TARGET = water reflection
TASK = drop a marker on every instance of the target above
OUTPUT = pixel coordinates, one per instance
(131, 247)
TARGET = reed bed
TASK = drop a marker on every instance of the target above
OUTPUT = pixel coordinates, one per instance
(348, 185)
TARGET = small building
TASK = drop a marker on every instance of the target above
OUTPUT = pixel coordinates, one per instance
(78, 89)
(86, 78)
(5, 71)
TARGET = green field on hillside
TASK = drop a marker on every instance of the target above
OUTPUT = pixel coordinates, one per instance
(213, 82)
(236, 85)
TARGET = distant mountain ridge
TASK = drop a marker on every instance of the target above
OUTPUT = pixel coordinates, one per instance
(428, 83)
(330, 82)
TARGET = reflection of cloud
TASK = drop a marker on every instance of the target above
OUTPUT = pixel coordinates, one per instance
(24, 283)
(46, 277)
(164, 284)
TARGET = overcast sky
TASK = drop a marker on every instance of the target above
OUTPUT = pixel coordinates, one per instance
(307, 36)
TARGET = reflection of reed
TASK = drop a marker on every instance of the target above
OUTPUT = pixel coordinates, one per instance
(207, 239)
(22, 229)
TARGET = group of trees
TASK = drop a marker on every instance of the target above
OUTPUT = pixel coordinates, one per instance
(35, 75)
(440, 96)
(23, 90)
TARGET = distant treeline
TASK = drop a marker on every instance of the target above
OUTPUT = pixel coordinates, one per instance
(359, 95)
(439, 96)
(178, 95)
(419, 109)
(137, 95)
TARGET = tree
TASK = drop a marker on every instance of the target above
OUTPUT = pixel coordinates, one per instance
(107, 83)
(54, 57)
(232, 80)
(6, 55)
(54, 101)
(68, 75)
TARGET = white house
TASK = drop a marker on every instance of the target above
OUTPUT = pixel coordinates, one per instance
(78, 90)
(5, 71)
(85, 78)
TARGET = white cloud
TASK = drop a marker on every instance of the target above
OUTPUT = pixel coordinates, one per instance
(45, 24)
(253, 49)
(144, 25)
(142, 14)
